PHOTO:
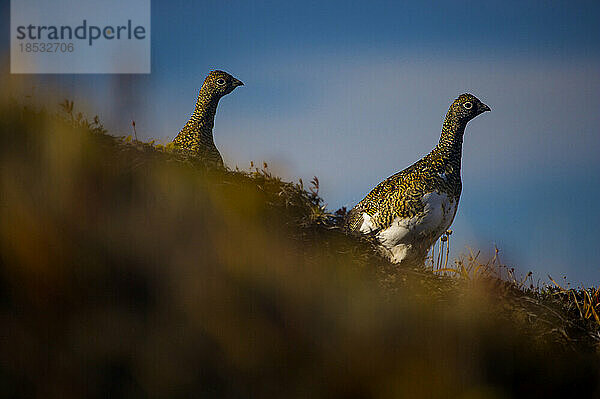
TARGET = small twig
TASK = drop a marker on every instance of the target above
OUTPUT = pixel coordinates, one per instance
(134, 131)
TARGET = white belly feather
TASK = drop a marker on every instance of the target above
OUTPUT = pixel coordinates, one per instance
(418, 233)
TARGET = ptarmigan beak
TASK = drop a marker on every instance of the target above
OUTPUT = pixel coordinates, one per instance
(237, 83)
(483, 108)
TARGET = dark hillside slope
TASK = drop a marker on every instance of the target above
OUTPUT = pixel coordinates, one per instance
(130, 271)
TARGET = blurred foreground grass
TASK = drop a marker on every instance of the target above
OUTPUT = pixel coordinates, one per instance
(131, 271)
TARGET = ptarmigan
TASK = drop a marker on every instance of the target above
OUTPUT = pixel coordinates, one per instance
(410, 210)
(196, 136)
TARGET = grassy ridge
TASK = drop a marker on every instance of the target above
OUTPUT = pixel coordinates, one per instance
(129, 270)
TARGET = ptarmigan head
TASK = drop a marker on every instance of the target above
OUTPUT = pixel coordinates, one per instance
(467, 107)
(219, 83)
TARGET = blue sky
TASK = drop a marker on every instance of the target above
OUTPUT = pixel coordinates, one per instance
(353, 91)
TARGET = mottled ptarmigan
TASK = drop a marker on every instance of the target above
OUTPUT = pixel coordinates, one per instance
(410, 210)
(196, 137)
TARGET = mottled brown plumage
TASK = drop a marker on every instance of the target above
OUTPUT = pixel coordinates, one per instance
(196, 137)
(409, 211)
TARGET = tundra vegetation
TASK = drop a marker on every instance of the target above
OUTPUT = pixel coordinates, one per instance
(131, 270)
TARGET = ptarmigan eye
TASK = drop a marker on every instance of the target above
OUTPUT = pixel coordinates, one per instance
(220, 81)
(468, 105)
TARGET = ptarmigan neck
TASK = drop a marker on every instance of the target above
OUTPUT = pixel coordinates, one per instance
(450, 144)
(203, 118)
